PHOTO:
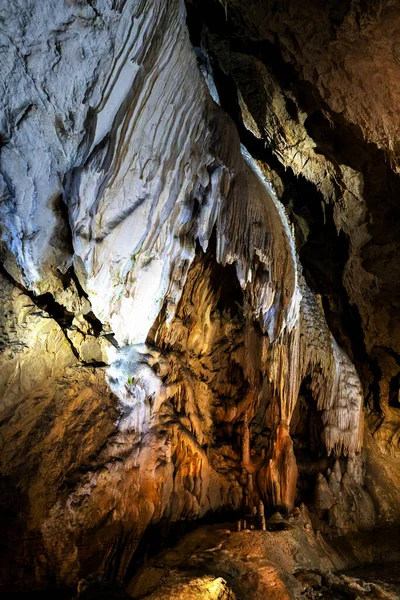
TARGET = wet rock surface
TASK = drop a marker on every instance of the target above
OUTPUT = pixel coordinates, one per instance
(199, 294)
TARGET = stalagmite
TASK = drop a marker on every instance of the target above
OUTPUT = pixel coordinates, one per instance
(250, 484)
(261, 514)
(323, 498)
(337, 470)
(246, 440)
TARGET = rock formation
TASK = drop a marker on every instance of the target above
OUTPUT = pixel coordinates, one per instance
(198, 251)
(256, 565)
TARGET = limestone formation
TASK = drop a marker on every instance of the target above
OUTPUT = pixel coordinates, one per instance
(196, 297)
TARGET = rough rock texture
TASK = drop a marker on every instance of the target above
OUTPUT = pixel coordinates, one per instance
(164, 354)
(319, 83)
(285, 562)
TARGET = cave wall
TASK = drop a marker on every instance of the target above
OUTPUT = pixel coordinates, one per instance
(319, 83)
(163, 349)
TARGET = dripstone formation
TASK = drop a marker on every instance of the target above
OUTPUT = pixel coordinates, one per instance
(199, 289)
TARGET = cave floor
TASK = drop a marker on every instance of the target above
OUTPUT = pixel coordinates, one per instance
(288, 561)
(386, 574)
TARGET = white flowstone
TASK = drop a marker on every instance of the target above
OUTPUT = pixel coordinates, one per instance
(107, 107)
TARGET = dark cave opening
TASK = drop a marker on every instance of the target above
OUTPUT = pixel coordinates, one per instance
(394, 391)
(305, 430)
(224, 282)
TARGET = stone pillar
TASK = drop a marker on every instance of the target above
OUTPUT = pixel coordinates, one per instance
(261, 514)
(246, 440)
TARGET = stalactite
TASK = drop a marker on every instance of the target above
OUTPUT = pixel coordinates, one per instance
(304, 345)
(162, 200)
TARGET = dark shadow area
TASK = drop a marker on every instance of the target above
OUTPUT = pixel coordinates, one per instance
(165, 534)
(305, 430)
(394, 390)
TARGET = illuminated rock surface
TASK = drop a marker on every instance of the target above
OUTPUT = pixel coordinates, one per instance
(289, 561)
(199, 283)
